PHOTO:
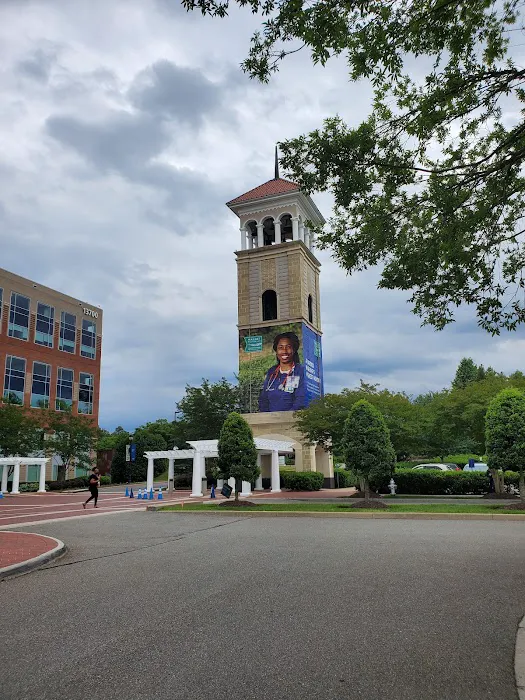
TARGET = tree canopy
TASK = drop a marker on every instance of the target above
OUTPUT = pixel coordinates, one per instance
(237, 455)
(430, 185)
(506, 434)
(366, 444)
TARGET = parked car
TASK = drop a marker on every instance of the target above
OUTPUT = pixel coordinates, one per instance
(477, 467)
(442, 467)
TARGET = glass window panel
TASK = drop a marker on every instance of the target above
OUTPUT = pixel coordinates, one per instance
(64, 397)
(68, 329)
(14, 379)
(41, 385)
(85, 393)
(89, 339)
(45, 324)
(19, 317)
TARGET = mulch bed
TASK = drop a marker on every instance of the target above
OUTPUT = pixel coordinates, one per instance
(376, 505)
(237, 504)
(509, 496)
(360, 494)
(520, 505)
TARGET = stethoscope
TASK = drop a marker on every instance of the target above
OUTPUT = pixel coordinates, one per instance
(275, 374)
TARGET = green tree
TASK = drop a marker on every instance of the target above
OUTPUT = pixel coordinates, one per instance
(367, 447)
(20, 434)
(431, 183)
(204, 409)
(506, 436)
(466, 373)
(323, 421)
(237, 455)
(72, 438)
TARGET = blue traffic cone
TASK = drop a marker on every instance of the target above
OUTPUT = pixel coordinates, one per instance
(127, 491)
(160, 496)
(212, 494)
(151, 494)
(140, 495)
(1, 494)
(131, 494)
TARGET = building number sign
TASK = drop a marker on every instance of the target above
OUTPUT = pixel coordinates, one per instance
(90, 312)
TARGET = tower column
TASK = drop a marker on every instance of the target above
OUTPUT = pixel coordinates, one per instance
(260, 238)
(243, 238)
(277, 225)
(301, 231)
(307, 237)
(295, 228)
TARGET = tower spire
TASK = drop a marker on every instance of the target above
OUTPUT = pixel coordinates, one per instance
(276, 164)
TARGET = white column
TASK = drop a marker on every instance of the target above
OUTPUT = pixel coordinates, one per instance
(260, 238)
(16, 477)
(277, 225)
(5, 471)
(171, 472)
(295, 228)
(203, 474)
(149, 477)
(301, 231)
(258, 481)
(243, 238)
(42, 481)
(246, 489)
(276, 479)
(196, 483)
(220, 484)
(231, 482)
(307, 237)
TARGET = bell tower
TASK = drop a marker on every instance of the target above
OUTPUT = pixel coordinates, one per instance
(279, 309)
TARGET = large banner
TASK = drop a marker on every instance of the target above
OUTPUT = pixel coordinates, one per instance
(280, 368)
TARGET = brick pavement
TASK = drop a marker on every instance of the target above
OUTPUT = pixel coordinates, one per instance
(18, 547)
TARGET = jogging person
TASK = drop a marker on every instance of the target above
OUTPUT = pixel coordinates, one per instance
(94, 481)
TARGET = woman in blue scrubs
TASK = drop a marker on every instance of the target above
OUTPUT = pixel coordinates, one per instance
(284, 386)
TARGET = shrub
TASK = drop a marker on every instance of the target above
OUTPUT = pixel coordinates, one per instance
(344, 478)
(30, 487)
(181, 481)
(105, 480)
(302, 481)
(80, 482)
(436, 483)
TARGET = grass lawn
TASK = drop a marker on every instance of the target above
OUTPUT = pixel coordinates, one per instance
(337, 508)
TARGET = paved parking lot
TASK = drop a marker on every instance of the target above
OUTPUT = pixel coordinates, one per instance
(168, 606)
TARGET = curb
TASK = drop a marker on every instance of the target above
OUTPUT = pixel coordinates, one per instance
(519, 660)
(24, 567)
(331, 514)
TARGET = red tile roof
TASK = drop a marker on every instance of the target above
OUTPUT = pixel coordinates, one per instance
(268, 189)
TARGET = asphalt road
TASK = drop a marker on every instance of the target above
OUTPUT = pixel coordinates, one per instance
(166, 606)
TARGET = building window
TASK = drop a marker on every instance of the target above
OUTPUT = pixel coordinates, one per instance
(64, 398)
(68, 332)
(14, 382)
(269, 305)
(310, 309)
(85, 393)
(45, 324)
(40, 388)
(88, 342)
(19, 316)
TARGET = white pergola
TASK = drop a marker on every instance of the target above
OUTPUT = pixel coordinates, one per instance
(208, 448)
(16, 462)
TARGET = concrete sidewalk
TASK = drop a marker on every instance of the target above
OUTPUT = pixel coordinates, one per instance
(21, 552)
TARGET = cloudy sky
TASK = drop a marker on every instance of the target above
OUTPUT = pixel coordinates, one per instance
(124, 127)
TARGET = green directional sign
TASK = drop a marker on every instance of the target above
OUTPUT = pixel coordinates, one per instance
(253, 343)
